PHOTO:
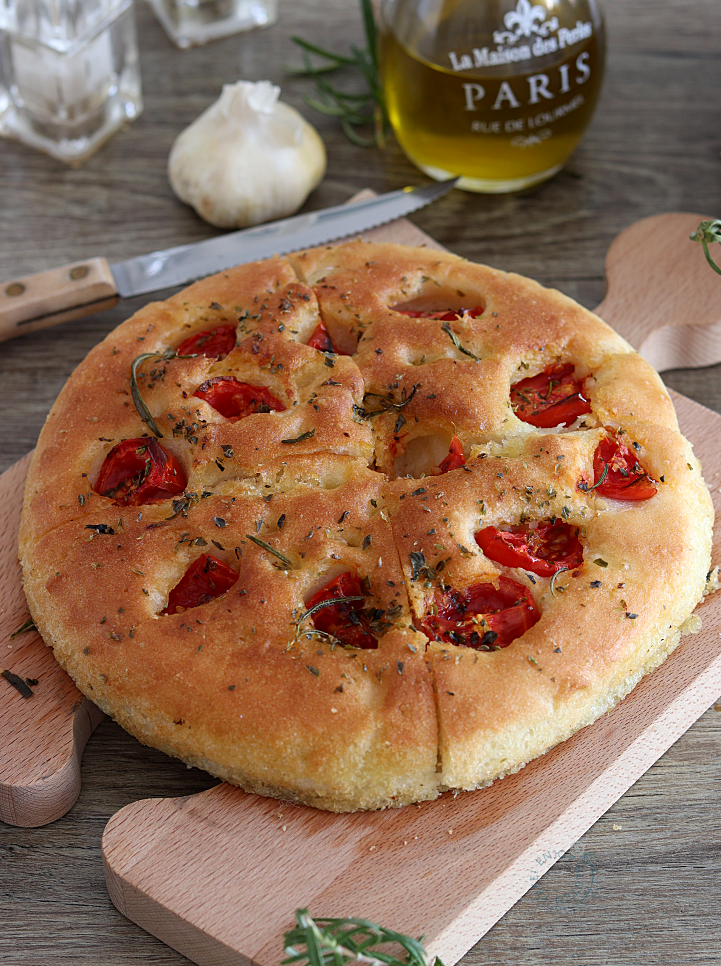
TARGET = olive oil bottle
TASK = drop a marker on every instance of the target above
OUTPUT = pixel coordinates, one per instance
(499, 92)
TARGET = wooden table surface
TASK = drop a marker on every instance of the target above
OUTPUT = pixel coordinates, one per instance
(653, 147)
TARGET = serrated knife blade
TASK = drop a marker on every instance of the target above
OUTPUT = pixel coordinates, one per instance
(62, 294)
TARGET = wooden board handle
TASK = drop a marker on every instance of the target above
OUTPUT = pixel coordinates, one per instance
(662, 295)
(58, 295)
(43, 736)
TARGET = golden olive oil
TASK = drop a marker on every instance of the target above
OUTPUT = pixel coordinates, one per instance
(503, 116)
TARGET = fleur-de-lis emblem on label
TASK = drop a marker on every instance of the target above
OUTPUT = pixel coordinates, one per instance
(524, 21)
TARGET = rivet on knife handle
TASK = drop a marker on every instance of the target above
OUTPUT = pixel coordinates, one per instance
(58, 295)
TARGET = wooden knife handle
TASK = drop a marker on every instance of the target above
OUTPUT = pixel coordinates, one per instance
(58, 295)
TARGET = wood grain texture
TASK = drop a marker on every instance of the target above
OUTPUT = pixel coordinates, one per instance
(653, 147)
(43, 736)
(676, 317)
(57, 295)
(171, 866)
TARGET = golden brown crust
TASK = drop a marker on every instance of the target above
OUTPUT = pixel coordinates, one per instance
(239, 685)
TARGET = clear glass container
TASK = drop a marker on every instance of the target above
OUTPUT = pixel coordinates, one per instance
(69, 74)
(499, 92)
(192, 22)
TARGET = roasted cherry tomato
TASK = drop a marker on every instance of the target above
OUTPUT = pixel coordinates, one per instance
(482, 616)
(443, 315)
(552, 398)
(542, 549)
(234, 399)
(140, 471)
(204, 580)
(455, 459)
(320, 339)
(345, 621)
(214, 343)
(618, 473)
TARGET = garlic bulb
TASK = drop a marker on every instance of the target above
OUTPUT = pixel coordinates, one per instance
(248, 158)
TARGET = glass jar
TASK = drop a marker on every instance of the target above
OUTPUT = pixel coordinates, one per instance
(191, 22)
(499, 92)
(69, 73)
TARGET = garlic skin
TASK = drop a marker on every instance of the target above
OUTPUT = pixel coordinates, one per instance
(247, 159)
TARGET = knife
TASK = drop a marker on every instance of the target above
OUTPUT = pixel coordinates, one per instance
(83, 288)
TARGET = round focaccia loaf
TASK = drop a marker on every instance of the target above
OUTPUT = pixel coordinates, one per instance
(380, 426)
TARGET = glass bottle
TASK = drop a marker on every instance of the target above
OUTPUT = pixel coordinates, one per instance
(191, 22)
(497, 91)
(69, 74)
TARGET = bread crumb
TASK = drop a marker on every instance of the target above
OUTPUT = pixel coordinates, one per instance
(712, 582)
(617, 828)
(692, 624)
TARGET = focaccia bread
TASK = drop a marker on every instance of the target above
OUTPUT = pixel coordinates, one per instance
(362, 524)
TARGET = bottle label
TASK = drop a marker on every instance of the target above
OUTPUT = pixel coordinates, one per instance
(528, 35)
(505, 105)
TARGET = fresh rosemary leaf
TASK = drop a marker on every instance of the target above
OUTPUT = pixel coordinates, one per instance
(276, 553)
(553, 581)
(602, 478)
(166, 355)
(708, 232)
(457, 342)
(301, 438)
(387, 402)
(326, 603)
(28, 625)
(138, 400)
(352, 110)
(321, 52)
(335, 942)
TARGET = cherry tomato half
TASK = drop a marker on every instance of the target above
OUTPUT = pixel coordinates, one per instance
(139, 471)
(214, 343)
(320, 339)
(543, 549)
(552, 398)
(623, 476)
(443, 315)
(235, 400)
(204, 580)
(455, 459)
(345, 621)
(483, 615)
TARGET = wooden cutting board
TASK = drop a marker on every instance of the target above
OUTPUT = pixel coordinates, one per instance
(218, 875)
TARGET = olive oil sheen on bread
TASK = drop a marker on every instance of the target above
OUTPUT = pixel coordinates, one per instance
(497, 92)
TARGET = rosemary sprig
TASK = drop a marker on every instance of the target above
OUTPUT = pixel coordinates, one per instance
(353, 110)
(457, 342)
(708, 232)
(387, 403)
(276, 553)
(335, 942)
(166, 355)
